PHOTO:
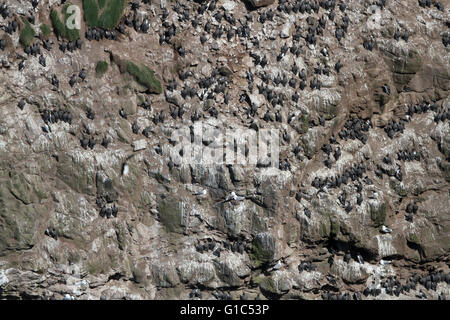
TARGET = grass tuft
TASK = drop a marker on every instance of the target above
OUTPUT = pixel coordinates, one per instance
(101, 68)
(103, 13)
(45, 29)
(90, 13)
(26, 35)
(101, 4)
(144, 76)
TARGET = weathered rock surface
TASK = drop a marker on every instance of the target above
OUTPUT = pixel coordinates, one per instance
(97, 207)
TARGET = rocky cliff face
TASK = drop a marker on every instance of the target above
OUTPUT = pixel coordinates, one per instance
(93, 206)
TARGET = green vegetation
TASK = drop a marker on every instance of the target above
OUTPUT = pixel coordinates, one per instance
(334, 228)
(260, 254)
(378, 215)
(324, 232)
(144, 76)
(101, 3)
(266, 284)
(304, 123)
(26, 35)
(413, 238)
(112, 13)
(101, 68)
(330, 112)
(60, 27)
(45, 29)
(398, 187)
(102, 13)
(90, 13)
(96, 268)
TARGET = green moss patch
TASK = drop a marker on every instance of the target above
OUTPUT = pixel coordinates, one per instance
(101, 4)
(26, 35)
(96, 267)
(45, 29)
(398, 187)
(90, 9)
(412, 237)
(145, 76)
(101, 68)
(378, 215)
(330, 112)
(263, 249)
(334, 228)
(103, 13)
(304, 123)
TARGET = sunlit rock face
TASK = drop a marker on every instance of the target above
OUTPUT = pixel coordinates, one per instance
(138, 161)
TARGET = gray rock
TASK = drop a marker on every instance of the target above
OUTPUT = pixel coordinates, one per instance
(139, 145)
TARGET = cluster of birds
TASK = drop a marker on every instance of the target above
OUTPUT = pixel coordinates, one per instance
(429, 3)
(405, 155)
(33, 50)
(394, 127)
(441, 117)
(401, 35)
(70, 45)
(340, 296)
(195, 294)
(55, 115)
(211, 245)
(369, 44)
(390, 170)
(100, 34)
(354, 174)
(222, 295)
(441, 113)
(307, 266)
(411, 209)
(4, 11)
(107, 210)
(235, 246)
(347, 256)
(11, 27)
(88, 142)
(356, 128)
(244, 31)
(392, 286)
